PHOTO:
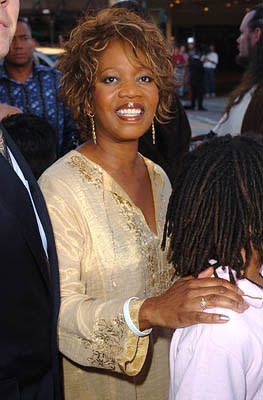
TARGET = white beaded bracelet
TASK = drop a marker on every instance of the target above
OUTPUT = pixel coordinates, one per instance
(127, 317)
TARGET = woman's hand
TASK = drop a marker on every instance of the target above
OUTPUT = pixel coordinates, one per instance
(180, 305)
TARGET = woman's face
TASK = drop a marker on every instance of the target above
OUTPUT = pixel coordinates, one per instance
(125, 95)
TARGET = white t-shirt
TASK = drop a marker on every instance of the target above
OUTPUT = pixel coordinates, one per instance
(212, 56)
(221, 361)
(234, 121)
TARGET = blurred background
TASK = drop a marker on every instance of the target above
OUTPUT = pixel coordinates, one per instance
(182, 21)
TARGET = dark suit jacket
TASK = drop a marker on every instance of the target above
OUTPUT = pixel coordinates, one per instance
(196, 69)
(253, 117)
(29, 290)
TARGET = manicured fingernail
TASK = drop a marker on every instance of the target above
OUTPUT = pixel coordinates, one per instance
(224, 318)
(243, 306)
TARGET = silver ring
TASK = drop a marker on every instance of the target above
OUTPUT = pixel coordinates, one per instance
(203, 304)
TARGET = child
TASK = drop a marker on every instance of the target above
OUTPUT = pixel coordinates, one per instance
(215, 217)
(35, 138)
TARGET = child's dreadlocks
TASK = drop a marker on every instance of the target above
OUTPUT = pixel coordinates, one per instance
(216, 207)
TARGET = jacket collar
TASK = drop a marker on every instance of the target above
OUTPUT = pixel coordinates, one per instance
(15, 193)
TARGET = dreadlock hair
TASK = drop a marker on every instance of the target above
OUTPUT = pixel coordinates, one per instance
(215, 209)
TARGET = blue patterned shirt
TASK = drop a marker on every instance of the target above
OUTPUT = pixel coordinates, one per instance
(39, 96)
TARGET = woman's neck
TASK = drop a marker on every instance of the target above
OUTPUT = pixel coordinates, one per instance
(122, 157)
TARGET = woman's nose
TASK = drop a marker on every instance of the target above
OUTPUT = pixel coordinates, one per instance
(129, 88)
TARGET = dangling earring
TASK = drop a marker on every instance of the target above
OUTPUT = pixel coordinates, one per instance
(153, 132)
(93, 130)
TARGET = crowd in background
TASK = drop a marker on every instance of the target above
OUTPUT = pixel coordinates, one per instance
(194, 73)
(194, 69)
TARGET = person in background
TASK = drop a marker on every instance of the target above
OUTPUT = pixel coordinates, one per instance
(34, 88)
(219, 191)
(179, 70)
(35, 138)
(107, 205)
(29, 285)
(210, 61)
(243, 112)
(183, 52)
(191, 49)
(172, 139)
(196, 72)
(62, 39)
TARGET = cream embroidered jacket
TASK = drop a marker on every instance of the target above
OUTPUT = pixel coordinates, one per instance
(107, 253)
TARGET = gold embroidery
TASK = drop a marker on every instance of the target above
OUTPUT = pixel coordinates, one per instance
(91, 174)
(105, 343)
(156, 279)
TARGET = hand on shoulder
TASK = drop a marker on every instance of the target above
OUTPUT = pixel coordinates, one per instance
(180, 305)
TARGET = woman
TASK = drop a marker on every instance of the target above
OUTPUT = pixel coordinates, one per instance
(173, 137)
(108, 204)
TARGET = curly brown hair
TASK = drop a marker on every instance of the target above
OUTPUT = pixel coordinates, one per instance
(79, 63)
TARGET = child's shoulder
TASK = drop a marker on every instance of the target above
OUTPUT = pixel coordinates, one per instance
(241, 334)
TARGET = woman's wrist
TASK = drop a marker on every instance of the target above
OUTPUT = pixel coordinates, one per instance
(129, 321)
(145, 314)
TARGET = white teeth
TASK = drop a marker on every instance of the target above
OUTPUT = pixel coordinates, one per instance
(129, 111)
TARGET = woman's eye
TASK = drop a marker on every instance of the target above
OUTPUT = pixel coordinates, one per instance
(110, 79)
(146, 79)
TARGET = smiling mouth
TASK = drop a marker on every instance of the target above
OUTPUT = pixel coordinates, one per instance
(130, 110)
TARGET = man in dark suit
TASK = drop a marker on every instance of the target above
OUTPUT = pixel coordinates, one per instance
(196, 70)
(29, 286)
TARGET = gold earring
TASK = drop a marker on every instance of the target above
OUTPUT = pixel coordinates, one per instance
(153, 132)
(93, 130)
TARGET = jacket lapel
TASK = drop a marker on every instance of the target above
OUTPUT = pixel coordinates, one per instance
(17, 200)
